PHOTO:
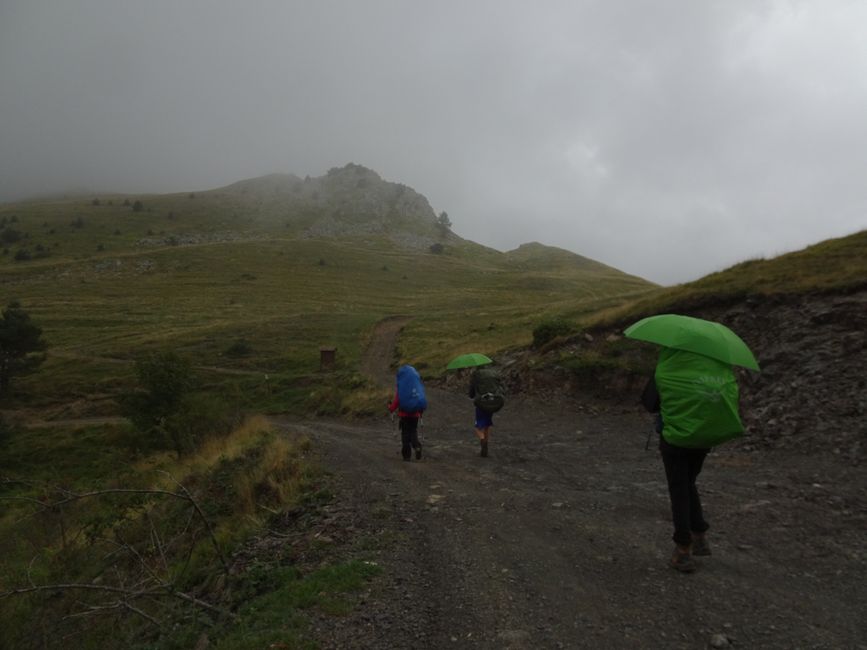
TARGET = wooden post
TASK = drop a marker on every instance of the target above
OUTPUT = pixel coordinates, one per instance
(327, 358)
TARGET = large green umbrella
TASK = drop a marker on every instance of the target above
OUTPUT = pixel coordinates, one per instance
(470, 360)
(694, 335)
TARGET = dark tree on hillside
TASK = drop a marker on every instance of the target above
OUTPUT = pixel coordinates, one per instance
(10, 236)
(137, 206)
(444, 223)
(20, 343)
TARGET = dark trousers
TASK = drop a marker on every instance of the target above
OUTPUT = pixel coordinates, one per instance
(408, 436)
(682, 467)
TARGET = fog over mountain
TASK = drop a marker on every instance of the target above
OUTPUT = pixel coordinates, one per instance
(667, 139)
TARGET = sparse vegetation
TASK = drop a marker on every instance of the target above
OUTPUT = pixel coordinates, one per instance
(240, 348)
(444, 224)
(10, 236)
(20, 344)
(550, 329)
(158, 537)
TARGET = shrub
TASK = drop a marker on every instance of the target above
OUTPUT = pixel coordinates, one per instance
(138, 206)
(550, 329)
(20, 344)
(165, 379)
(240, 348)
(10, 236)
(22, 255)
(437, 248)
(200, 416)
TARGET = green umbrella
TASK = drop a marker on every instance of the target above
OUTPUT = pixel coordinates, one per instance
(470, 360)
(694, 335)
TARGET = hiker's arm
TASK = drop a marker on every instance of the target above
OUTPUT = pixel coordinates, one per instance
(393, 406)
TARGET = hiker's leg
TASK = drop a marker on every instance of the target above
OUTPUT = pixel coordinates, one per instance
(697, 523)
(405, 438)
(677, 476)
(416, 443)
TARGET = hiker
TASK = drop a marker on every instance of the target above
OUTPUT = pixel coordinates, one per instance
(409, 402)
(486, 391)
(694, 398)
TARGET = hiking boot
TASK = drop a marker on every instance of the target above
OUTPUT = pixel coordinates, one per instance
(418, 453)
(682, 560)
(700, 545)
(484, 452)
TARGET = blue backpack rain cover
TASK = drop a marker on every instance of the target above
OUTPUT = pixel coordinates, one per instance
(410, 390)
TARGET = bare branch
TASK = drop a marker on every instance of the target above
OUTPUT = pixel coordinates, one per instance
(96, 493)
(120, 604)
(165, 590)
(27, 499)
(73, 585)
(202, 603)
(141, 613)
(156, 541)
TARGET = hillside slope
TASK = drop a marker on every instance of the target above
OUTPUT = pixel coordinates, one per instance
(277, 266)
(803, 314)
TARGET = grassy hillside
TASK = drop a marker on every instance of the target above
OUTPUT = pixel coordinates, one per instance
(608, 364)
(246, 283)
(834, 265)
(198, 273)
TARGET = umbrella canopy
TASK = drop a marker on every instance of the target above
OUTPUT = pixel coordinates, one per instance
(470, 360)
(705, 337)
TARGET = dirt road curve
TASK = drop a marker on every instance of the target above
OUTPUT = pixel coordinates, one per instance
(560, 538)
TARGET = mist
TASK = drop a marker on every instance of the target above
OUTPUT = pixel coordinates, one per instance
(667, 139)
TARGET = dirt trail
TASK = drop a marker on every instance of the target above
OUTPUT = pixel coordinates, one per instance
(376, 360)
(560, 538)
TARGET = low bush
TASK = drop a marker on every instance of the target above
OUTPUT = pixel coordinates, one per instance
(550, 329)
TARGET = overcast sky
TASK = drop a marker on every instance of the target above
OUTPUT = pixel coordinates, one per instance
(668, 138)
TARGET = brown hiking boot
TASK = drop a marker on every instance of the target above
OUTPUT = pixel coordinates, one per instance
(682, 560)
(700, 545)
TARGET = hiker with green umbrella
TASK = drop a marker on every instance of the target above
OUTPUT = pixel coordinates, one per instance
(695, 395)
(486, 391)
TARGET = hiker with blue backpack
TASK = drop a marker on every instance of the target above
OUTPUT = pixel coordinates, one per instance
(410, 403)
(486, 391)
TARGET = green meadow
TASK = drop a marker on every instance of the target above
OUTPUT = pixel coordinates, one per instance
(118, 285)
(233, 282)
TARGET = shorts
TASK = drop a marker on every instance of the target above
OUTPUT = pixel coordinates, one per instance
(484, 419)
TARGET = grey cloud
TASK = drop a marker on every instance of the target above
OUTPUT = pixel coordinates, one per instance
(669, 139)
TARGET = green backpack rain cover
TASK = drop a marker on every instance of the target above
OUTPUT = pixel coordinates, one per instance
(699, 399)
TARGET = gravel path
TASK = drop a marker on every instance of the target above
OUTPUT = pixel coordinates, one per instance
(560, 538)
